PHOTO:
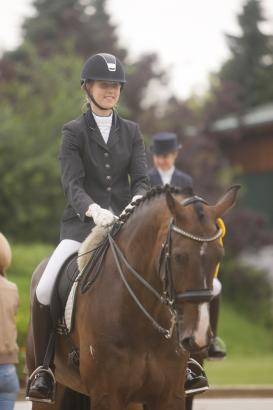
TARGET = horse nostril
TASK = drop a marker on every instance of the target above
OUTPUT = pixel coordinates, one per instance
(189, 344)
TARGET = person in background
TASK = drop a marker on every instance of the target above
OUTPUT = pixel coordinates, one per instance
(165, 150)
(9, 300)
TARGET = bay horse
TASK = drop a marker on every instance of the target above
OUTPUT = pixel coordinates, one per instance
(148, 308)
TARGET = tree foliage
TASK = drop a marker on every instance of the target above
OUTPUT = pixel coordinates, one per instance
(86, 23)
(30, 191)
(40, 91)
(244, 80)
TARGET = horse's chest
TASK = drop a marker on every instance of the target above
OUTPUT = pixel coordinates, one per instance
(139, 372)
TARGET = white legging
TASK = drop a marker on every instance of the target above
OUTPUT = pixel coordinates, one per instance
(45, 287)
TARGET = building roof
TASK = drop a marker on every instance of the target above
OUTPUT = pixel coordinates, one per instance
(263, 114)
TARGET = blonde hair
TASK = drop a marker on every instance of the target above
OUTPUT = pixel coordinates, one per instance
(5, 254)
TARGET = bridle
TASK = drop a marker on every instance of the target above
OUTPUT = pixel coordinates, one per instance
(169, 296)
(190, 296)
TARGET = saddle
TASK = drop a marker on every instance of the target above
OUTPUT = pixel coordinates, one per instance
(63, 297)
(70, 277)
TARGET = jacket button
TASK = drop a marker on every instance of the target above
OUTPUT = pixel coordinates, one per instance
(108, 178)
(107, 165)
(106, 154)
(108, 189)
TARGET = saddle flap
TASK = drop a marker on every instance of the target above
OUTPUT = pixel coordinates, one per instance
(66, 277)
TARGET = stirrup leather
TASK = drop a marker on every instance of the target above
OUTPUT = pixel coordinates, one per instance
(34, 376)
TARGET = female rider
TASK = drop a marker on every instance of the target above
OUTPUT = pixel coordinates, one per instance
(103, 167)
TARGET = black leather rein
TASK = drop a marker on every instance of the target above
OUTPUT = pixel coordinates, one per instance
(169, 296)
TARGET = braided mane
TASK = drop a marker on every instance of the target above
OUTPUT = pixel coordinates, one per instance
(152, 193)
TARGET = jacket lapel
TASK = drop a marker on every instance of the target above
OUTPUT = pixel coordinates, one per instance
(174, 180)
(156, 178)
(93, 130)
(114, 132)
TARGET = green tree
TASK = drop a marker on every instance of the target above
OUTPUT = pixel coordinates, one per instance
(57, 24)
(245, 79)
(30, 190)
(39, 90)
(86, 23)
(84, 26)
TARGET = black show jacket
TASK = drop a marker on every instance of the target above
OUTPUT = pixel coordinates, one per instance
(95, 172)
(179, 178)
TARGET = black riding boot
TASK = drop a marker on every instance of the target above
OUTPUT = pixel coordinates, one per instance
(41, 383)
(196, 379)
(217, 348)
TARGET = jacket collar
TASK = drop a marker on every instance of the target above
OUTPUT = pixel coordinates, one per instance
(94, 131)
(157, 180)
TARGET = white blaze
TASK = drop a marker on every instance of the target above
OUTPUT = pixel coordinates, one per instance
(201, 333)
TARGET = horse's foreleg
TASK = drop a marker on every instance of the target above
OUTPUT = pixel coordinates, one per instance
(164, 405)
(106, 403)
(58, 405)
(189, 403)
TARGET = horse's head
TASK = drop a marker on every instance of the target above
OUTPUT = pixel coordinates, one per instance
(188, 261)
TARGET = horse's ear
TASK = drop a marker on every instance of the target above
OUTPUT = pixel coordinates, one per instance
(226, 201)
(171, 202)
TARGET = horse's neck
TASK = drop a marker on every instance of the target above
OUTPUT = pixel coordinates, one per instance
(121, 318)
(140, 239)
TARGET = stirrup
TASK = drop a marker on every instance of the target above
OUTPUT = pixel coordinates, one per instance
(200, 389)
(33, 376)
(197, 364)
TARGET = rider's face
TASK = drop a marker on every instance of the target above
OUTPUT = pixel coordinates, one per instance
(105, 93)
(165, 161)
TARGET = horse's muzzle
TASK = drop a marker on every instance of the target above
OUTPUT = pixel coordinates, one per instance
(189, 344)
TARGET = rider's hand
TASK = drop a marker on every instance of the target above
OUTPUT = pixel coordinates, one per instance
(130, 205)
(101, 216)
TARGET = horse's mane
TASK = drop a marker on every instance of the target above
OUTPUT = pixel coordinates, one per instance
(153, 193)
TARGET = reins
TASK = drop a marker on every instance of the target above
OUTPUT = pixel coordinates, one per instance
(169, 296)
(117, 252)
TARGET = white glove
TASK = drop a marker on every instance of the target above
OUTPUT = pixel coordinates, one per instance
(129, 206)
(101, 216)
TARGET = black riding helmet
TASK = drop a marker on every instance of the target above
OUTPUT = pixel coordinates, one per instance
(103, 66)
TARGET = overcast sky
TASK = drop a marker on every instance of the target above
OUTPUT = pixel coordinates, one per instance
(188, 35)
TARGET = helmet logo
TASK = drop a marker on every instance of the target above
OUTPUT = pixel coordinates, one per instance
(110, 61)
(111, 66)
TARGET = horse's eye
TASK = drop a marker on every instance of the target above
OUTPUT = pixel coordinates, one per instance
(181, 258)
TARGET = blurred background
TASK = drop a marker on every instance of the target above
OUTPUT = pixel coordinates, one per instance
(203, 70)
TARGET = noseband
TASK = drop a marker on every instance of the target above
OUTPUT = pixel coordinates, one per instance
(169, 296)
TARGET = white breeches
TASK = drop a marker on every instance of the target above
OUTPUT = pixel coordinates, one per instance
(45, 287)
(217, 287)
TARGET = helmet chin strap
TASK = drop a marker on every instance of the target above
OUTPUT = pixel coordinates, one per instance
(90, 96)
